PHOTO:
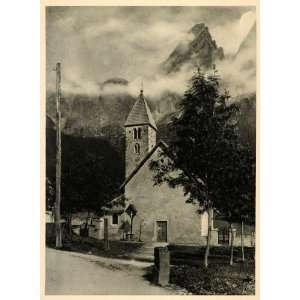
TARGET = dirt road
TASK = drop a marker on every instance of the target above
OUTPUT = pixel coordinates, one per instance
(69, 273)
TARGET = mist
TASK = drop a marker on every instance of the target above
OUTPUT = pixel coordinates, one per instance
(95, 44)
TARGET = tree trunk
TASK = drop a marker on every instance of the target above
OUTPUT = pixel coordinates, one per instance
(140, 233)
(208, 238)
(70, 225)
(106, 235)
(242, 241)
(131, 221)
(231, 245)
(87, 220)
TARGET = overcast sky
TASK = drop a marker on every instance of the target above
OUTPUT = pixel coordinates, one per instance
(97, 43)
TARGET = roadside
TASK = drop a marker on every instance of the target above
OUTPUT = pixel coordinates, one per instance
(187, 274)
(88, 245)
(69, 273)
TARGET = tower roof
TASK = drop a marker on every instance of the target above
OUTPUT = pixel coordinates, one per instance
(140, 114)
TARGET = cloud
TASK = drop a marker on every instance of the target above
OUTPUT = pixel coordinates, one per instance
(155, 86)
(230, 35)
(236, 79)
(97, 43)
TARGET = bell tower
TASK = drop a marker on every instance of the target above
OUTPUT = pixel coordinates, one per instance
(140, 132)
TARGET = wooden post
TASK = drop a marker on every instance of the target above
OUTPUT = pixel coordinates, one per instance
(242, 241)
(231, 243)
(58, 229)
(210, 217)
(106, 237)
(140, 233)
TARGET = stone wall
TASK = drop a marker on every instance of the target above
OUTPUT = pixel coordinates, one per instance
(96, 230)
(162, 203)
(249, 240)
(146, 142)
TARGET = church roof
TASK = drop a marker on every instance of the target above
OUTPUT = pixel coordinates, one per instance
(117, 205)
(161, 144)
(140, 114)
(164, 147)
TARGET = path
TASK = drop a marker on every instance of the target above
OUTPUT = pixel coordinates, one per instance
(69, 273)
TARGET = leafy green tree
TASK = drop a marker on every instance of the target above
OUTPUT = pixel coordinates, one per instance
(201, 151)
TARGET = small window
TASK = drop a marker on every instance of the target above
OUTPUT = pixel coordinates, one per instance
(139, 133)
(115, 219)
(223, 236)
(134, 133)
(137, 148)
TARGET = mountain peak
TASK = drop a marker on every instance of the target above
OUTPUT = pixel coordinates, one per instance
(200, 50)
(198, 29)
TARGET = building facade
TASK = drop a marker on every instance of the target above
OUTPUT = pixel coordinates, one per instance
(151, 213)
(155, 213)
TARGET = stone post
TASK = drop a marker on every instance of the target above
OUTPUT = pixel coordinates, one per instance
(106, 237)
(232, 236)
(161, 266)
(214, 237)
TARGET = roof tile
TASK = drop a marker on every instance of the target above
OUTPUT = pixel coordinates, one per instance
(140, 113)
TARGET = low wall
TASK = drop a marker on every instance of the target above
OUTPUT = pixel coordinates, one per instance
(249, 240)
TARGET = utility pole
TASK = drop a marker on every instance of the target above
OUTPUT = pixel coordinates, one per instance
(58, 229)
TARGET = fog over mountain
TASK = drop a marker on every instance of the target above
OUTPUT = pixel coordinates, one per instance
(94, 44)
(105, 63)
(198, 49)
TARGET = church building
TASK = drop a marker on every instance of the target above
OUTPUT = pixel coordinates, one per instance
(151, 213)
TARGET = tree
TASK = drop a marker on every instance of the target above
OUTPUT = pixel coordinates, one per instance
(201, 130)
(236, 176)
(91, 172)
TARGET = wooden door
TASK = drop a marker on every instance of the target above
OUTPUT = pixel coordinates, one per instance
(162, 231)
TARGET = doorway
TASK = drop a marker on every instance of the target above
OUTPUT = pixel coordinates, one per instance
(161, 231)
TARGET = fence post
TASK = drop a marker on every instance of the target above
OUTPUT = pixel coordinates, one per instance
(161, 266)
(106, 237)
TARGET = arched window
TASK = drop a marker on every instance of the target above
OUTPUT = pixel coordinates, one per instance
(137, 148)
(135, 134)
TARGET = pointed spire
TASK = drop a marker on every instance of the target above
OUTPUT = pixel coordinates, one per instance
(140, 113)
(142, 87)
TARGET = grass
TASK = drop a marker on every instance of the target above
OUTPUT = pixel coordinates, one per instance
(88, 245)
(217, 279)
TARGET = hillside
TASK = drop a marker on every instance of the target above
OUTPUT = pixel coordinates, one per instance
(95, 122)
(92, 169)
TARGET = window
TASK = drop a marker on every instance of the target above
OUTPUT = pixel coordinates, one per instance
(115, 219)
(137, 133)
(223, 236)
(134, 133)
(137, 148)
